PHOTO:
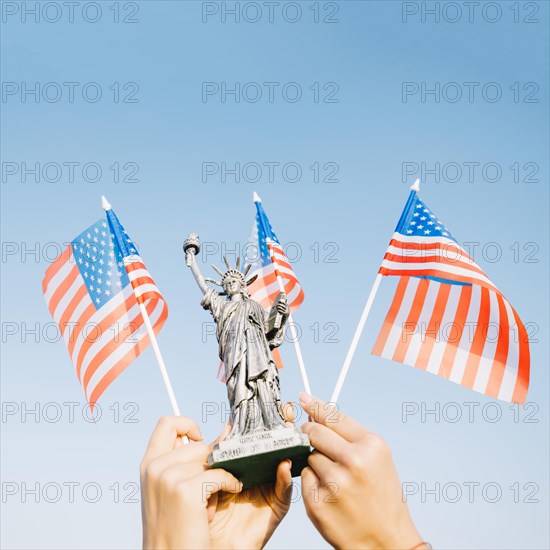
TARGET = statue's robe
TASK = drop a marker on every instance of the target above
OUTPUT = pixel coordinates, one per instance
(251, 374)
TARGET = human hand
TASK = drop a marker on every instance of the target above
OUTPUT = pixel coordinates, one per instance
(351, 489)
(176, 486)
(249, 518)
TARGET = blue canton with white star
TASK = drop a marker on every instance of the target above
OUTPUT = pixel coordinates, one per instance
(265, 231)
(419, 221)
(100, 263)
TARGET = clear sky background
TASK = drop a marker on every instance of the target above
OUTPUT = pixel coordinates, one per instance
(161, 130)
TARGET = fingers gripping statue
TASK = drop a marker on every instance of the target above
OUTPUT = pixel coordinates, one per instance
(245, 341)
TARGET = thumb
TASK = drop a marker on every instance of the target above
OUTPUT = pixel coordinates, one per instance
(283, 483)
(287, 410)
(215, 480)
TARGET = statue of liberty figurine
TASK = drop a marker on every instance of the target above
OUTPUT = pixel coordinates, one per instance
(259, 439)
(246, 337)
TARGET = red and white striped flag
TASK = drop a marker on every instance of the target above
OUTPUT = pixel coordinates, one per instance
(447, 317)
(93, 291)
(270, 260)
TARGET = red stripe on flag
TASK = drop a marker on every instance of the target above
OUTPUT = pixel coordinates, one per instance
(522, 380)
(451, 347)
(478, 342)
(412, 319)
(390, 317)
(80, 324)
(438, 274)
(69, 310)
(433, 326)
(55, 266)
(142, 281)
(150, 295)
(133, 266)
(277, 358)
(501, 353)
(61, 290)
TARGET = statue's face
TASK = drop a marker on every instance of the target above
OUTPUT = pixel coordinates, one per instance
(232, 285)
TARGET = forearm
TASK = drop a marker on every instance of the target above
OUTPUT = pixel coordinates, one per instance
(198, 277)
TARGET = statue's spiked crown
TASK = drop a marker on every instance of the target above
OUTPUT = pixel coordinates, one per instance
(233, 272)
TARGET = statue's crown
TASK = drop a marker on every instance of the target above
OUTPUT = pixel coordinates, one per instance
(233, 272)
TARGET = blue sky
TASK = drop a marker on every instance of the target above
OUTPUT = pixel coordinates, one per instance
(163, 124)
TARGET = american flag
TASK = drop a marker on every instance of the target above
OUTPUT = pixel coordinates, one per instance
(93, 290)
(263, 245)
(447, 317)
(266, 245)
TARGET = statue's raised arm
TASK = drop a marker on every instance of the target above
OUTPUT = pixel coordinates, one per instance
(191, 247)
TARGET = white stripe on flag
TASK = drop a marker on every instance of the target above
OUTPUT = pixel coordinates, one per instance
(438, 266)
(467, 336)
(137, 273)
(455, 254)
(419, 337)
(423, 240)
(142, 289)
(434, 362)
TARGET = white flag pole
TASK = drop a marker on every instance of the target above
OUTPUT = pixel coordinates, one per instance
(294, 337)
(351, 351)
(160, 361)
(355, 341)
(291, 326)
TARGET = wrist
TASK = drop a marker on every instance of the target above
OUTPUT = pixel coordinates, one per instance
(405, 539)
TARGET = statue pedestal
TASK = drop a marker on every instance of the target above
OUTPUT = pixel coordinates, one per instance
(253, 458)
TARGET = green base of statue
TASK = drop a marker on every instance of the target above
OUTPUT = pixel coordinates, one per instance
(253, 458)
